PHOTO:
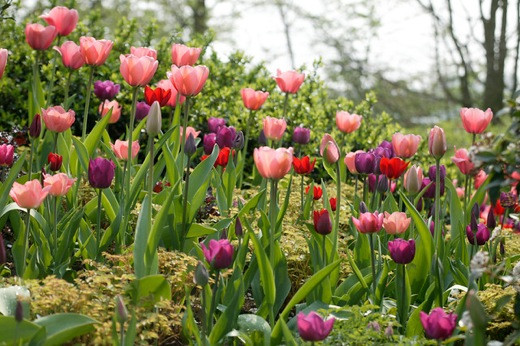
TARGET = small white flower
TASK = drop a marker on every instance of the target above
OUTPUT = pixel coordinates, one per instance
(465, 321)
(479, 263)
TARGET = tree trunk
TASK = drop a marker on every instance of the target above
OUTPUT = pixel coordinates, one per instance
(200, 16)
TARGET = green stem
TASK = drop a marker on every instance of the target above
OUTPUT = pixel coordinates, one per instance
(67, 88)
(35, 82)
(324, 251)
(87, 103)
(402, 305)
(213, 301)
(301, 194)
(185, 202)
(26, 242)
(272, 219)
(365, 189)
(244, 150)
(184, 126)
(55, 214)
(55, 142)
(356, 185)
(98, 223)
(438, 230)
(466, 185)
(31, 154)
(172, 114)
(285, 103)
(337, 212)
(122, 324)
(50, 86)
(203, 308)
(373, 262)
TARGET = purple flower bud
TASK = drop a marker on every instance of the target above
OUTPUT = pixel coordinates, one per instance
(419, 205)
(322, 222)
(262, 139)
(491, 222)
(121, 311)
(214, 124)
(313, 327)
(363, 208)
(438, 325)
(402, 251)
(209, 142)
(239, 232)
(238, 143)
(190, 147)
(389, 331)
(431, 225)
(219, 253)
(301, 135)
(36, 126)
(382, 185)
(432, 170)
(365, 162)
(226, 136)
(141, 110)
(101, 172)
(482, 234)
(105, 90)
(18, 312)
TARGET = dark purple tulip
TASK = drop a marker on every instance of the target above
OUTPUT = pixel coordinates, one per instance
(491, 222)
(322, 222)
(482, 234)
(226, 136)
(377, 163)
(419, 205)
(432, 227)
(312, 327)
(141, 110)
(101, 172)
(382, 185)
(432, 170)
(385, 149)
(214, 124)
(402, 251)
(219, 253)
(209, 142)
(238, 143)
(438, 325)
(106, 90)
(430, 192)
(190, 147)
(262, 139)
(301, 135)
(239, 232)
(365, 162)
(36, 126)
(507, 199)
(363, 208)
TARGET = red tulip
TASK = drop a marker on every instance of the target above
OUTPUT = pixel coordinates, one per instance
(54, 161)
(333, 203)
(392, 168)
(158, 94)
(317, 192)
(303, 165)
(166, 84)
(322, 222)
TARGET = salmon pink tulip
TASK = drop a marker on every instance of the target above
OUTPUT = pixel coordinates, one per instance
(252, 99)
(437, 142)
(40, 37)
(368, 222)
(183, 55)
(289, 81)
(71, 55)
(106, 106)
(120, 149)
(143, 51)
(273, 163)
(3, 60)
(462, 161)
(480, 178)
(57, 119)
(29, 195)
(64, 19)
(188, 80)
(405, 146)
(95, 51)
(59, 183)
(329, 150)
(347, 122)
(274, 128)
(396, 223)
(475, 120)
(137, 71)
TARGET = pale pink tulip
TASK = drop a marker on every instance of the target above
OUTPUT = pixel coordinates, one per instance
(106, 106)
(95, 51)
(289, 81)
(3, 60)
(188, 80)
(29, 195)
(62, 18)
(166, 84)
(405, 146)
(475, 120)
(189, 130)
(329, 150)
(56, 119)
(347, 122)
(59, 183)
(437, 142)
(396, 223)
(273, 163)
(480, 178)
(120, 149)
(368, 222)
(137, 71)
(71, 55)
(413, 179)
(252, 99)
(40, 37)
(143, 51)
(350, 161)
(183, 55)
(462, 161)
(274, 128)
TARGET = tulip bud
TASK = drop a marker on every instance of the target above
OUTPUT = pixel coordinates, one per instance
(474, 216)
(201, 276)
(154, 120)
(491, 222)
(18, 312)
(362, 208)
(121, 311)
(36, 126)
(141, 110)
(239, 232)
(437, 142)
(54, 161)
(413, 180)
(382, 185)
(322, 222)
(239, 141)
(190, 147)
(262, 139)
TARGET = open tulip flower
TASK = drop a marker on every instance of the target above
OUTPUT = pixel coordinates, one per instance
(189, 131)
(143, 51)
(289, 81)
(274, 128)
(40, 37)
(95, 51)
(402, 251)
(59, 183)
(317, 192)
(64, 19)
(396, 223)
(188, 80)
(106, 106)
(120, 149)
(29, 195)
(166, 84)
(369, 222)
(347, 122)
(158, 94)
(137, 71)
(183, 55)
(312, 327)
(71, 55)
(438, 324)
(474, 120)
(392, 168)
(219, 253)
(462, 161)
(273, 163)
(405, 146)
(56, 119)
(252, 99)
(304, 165)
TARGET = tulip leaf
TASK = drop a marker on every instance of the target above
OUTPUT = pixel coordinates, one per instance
(11, 178)
(81, 153)
(141, 237)
(14, 333)
(266, 272)
(152, 285)
(249, 323)
(458, 234)
(197, 230)
(64, 327)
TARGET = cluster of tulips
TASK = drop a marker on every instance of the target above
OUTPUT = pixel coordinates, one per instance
(393, 194)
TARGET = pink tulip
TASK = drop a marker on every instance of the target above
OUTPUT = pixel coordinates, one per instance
(289, 81)
(6, 155)
(350, 161)
(413, 179)
(3, 60)
(438, 325)
(95, 51)
(252, 99)
(57, 119)
(313, 327)
(437, 142)
(274, 128)
(460, 192)
(106, 106)
(188, 80)
(347, 122)
(405, 146)
(71, 55)
(183, 55)
(480, 178)
(329, 150)
(143, 51)
(166, 84)
(369, 222)
(29, 195)
(120, 149)
(396, 223)
(189, 131)
(40, 37)
(475, 120)
(273, 163)
(62, 18)
(462, 161)
(137, 71)
(59, 184)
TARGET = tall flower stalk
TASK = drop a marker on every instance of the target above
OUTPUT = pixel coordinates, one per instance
(87, 103)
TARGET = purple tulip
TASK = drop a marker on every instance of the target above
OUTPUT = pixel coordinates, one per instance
(106, 90)
(482, 234)
(219, 254)
(432, 170)
(214, 124)
(507, 199)
(101, 172)
(141, 110)
(438, 325)
(365, 162)
(262, 139)
(430, 192)
(491, 223)
(209, 142)
(36, 126)
(301, 135)
(385, 149)
(419, 205)
(402, 251)
(238, 142)
(312, 327)
(225, 136)
(382, 185)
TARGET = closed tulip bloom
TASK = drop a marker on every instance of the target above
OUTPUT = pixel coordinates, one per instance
(40, 37)
(405, 146)
(350, 161)
(188, 80)
(137, 71)
(312, 327)
(333, 202)
(59, 183)
(101, 172)
(208, 142)
(57, 119)
(462, 161)
(430, 192)
(219, 253)
(226, 136)
(369, 222)
(274, 128)
(223, 157)
(143, 51)
(437, 142)
(432, 172)
(289, 81)
(347, 122)
(238, 143)
(252, 99)
(120, 149)
(141, 110)
(413, 180)
(402, 251)
(396, 223)
(214, 124)
(480, 178)
(154, 120)
(6, 155)
(62, 18)
(183, 55)
(106, 90)
(475, 120)
(55, 161)
(329, 150)
(189, 130)
(273, 163)
(322, 222)
(303, 165)
(70, 55)
(382, 184)
(317, 192)
(158, 94)
(95, 51)
(29, 195)
(3, 60)
(438, 325)
(106, 106)
(36, 126)
(301, 135)
(165, 84)
(392, 168)
(482, 234)
(364, 162)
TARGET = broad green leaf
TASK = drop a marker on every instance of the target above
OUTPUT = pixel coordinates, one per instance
(228, 318)
(266, 272)
(155, 233)
(65, 327)
(142, 232)
(11, 178)
(198, 230)
(152, 285)
(12, 332)
(250, 323)
(8, 298)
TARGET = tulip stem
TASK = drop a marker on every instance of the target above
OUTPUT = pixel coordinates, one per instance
(87, 103)
(365, 189)
(66, 89)
(285, 103)
(402, 305)
(373, 262)
(301, 194)
(55, 142)
(338, 208)
(466, 192)
(244, 150)
(172, 113)
(355, 186)
(31, 154)
(324, 251)
(26, 242)
(272, 219)
(150, 179)
(122, 326)
(98, 224)
(438, 229)
(50, 86)
(34, 83)
(184, 125)
(373, 203)
(55, 214)
(185, 202)
(213, 301)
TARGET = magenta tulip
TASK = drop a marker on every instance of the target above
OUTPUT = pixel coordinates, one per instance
(219, 253)
(438, 324)
(402, 251)
(313, 327)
